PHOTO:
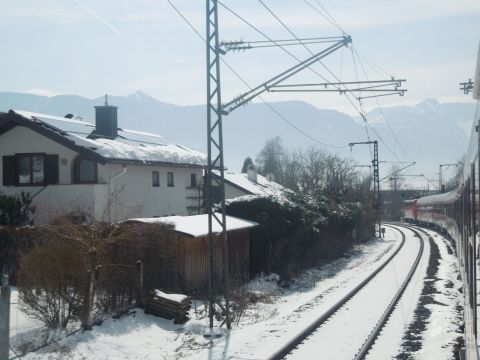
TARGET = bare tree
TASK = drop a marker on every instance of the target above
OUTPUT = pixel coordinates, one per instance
(270, 158)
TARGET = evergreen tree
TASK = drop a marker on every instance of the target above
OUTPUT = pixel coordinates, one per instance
(248, 161)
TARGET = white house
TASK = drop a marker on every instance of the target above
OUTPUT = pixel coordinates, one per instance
(71, 165)
(250, 183)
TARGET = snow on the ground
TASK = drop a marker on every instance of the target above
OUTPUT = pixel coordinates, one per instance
(391, 337)
(274, 315)
(443, 326)
(344, 333)
(25, 332)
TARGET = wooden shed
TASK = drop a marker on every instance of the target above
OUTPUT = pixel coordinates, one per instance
(191, 249)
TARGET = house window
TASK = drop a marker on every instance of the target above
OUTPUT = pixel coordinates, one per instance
(30, 169)
(84, 171)
(155, 179)
(170, 179)
(193, 180)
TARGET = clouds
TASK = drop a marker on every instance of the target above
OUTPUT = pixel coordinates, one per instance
(90, 47)
(42, 92)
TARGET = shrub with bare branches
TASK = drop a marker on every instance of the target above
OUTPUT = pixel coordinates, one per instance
(79, 265)
(51, 282)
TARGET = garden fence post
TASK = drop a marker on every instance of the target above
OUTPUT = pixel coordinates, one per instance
(4, 318)
(139, 295)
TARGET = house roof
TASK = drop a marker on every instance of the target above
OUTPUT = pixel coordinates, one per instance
(129, 146)
(197, 225)
(261, 187)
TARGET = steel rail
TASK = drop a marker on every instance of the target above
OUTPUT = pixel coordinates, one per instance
(298, 339)
(367, 345)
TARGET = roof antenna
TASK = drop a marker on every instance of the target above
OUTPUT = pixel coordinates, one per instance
(106, 100)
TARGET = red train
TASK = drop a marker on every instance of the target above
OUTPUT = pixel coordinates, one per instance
(456, 213)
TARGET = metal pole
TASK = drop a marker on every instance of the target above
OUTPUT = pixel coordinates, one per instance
(215, 144)
(209, 177)
(4, 318)
(376, 188)
(440, 179)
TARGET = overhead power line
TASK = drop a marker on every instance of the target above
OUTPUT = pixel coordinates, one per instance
(237, 75)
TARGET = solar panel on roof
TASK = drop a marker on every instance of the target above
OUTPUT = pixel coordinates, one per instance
(77, 127)
(144, 138)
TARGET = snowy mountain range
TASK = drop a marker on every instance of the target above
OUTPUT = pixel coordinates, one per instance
(429, 133)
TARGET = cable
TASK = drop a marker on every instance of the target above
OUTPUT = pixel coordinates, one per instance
(330, 16)
(362, 113)
(321, 76)
(381, 109)
(246, 84)
(361, 105)
(326, 16)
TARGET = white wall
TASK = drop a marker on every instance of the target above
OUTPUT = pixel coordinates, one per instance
(128, 195)
(232, 192)
(136, 197)
(23, 140)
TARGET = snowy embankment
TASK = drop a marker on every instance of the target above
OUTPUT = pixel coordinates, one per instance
(273, 316)
(442, 300)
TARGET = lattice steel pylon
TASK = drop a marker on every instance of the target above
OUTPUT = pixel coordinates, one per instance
(376, 183)
(215, 156)
(376, 189)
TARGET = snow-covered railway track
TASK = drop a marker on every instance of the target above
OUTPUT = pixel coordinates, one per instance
(350, 327)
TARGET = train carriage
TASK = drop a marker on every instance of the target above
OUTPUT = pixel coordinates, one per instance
(457, 214)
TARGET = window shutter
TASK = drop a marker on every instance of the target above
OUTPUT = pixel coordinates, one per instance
(51, 169)
(8, 170)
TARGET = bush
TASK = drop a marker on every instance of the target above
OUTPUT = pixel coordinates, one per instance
(15, 210)
(52, 282)
(298, 232)
(55, 276)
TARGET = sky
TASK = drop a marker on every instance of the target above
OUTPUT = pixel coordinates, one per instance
(93, 47)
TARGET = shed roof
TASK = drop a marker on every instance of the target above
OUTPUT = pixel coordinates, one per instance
(197, 225)
(128, 147)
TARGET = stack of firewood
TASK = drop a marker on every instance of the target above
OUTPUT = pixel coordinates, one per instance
(168, 306)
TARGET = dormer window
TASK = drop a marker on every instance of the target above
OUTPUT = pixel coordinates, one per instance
(84, 171)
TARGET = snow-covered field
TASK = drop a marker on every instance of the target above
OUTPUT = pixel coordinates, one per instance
(276, 316)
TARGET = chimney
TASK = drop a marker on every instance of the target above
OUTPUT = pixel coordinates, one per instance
(252, 173)
(106, 124)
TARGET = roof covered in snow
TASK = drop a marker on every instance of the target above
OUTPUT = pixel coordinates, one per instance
(438, 198)
(197, 225)
(260, 187)
(128, 146)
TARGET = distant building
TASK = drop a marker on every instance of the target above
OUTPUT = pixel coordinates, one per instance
(250, 183)
(71, 165)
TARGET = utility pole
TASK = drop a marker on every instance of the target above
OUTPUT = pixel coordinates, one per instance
(4, 318)
(376, 182)
(215, 112)
(215, 155)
